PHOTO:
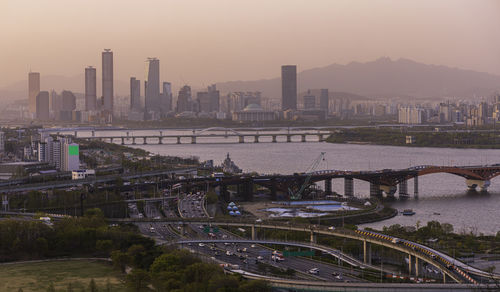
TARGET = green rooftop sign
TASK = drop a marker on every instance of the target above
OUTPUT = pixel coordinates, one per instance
(73, 150)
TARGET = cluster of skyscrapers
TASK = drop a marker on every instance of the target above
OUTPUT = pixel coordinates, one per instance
(44, 106)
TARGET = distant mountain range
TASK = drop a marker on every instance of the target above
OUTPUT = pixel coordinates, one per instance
(380, 78)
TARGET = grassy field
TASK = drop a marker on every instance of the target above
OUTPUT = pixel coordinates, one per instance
(37, 276)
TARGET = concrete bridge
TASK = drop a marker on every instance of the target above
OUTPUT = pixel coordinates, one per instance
(199, 136)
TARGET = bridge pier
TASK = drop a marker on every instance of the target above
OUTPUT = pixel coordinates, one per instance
(253, 232)
(409, 264)
(274, 139)
(273, 189)
(93, 133)
(314, 237)
(288, 138)
(76, 134)
(328, 187)
(178, 140)
(160, 140)
(224, 193)
(193, 139)
(111, 140)
(241, 139)
(348, 187)
(403, 188)
(375, 190)
(417, 270)
(256, 139)
(367, 252)
(123, 141)
(133, 140)
(144, 141)
(303, 138)
(415, 187)
(320, 138)
(472, 184)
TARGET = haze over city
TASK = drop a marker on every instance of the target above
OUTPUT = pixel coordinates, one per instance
(201, 42)
(249, 146)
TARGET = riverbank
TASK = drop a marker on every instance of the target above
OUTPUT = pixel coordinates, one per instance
(408, 138)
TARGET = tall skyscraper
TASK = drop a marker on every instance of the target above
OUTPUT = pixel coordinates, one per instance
(42, 106)
(107, 80)
(90, 89)
(324, 100)
(214, 96)
(135, 94)
(166, 98)
(152, 85)
(68, 101)
(33, 90)
(289, 87)
(184, 100)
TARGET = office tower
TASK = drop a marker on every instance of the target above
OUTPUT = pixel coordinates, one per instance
(289, 87)
(68, 101)
(42, 106)
(309, 101)
(184, 100)
(166, 98)
(107, 80)
(70, 158)
(214, 97)
(90, 89)
(203, 99)
(55, 102)
(324, 100)
(152, 85)
(135, 94)
(33, 90)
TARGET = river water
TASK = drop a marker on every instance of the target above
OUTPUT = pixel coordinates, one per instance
(442, 197)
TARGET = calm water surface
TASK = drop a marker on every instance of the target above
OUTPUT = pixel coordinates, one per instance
(442, 194)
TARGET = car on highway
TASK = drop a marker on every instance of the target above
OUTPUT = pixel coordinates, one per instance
(331, 228)
(152, 229)
(260, 258)
(253, 246)
(201, 244)
(229, 253)
(313, 271)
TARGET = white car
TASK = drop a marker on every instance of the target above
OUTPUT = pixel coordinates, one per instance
(260, 258)
(253, 246)
(258, 220)
(313, 271)
(228, 253)
(331, 228)
(201, 244)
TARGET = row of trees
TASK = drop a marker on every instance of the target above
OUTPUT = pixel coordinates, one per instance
(85, 236)
(177, 270)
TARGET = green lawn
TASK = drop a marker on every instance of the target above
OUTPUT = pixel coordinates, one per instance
(38, 276)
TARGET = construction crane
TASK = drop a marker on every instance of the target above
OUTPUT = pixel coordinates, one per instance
(309, 172)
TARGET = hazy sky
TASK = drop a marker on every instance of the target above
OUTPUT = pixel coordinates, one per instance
(204, 41)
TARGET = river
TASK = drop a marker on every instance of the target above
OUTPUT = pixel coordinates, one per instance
(442, 197)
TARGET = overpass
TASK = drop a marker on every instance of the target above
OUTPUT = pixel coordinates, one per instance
(450, 267)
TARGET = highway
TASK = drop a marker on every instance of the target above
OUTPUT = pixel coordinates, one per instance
(246, 254)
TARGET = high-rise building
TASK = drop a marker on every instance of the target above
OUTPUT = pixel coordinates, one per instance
(42, 106)
(184, 100)
(90, 89)
(107, 80)
(289, 87)
(152, 85)
(166, 98)
(68, 101)
(214, 97)
(324, 100)
(309, 101)
(135, 94)
(55, 102)
(33, 90)
(70, 156)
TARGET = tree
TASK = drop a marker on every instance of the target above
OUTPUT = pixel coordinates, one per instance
(251, 286)
(120, 260)
(138, 280)
(51, 287)
(104, 245)
(70, 288)
(92, 286)
(42, 246)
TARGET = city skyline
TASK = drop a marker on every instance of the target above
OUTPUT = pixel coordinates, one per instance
(447, 37)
